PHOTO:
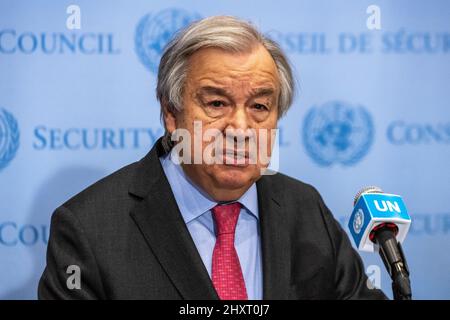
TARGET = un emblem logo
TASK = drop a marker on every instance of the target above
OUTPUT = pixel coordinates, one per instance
(358, 221)
(153, 32)
(9, 137)
(337, 132)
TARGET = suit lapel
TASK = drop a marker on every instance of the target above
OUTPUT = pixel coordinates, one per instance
(160, 221)
(274, 241)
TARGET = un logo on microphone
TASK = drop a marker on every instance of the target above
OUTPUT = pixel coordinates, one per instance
(358, 221)
(9, 137)
(337, 132)
(153, 32)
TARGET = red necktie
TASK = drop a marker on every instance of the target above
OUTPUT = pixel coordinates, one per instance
(226, 270)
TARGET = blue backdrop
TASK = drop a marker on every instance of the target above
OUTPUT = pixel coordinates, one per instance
(372, 108)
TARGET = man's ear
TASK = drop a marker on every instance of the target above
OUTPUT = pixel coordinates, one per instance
(170, 121)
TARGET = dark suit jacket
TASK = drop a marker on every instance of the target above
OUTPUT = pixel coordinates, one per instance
(129, 240)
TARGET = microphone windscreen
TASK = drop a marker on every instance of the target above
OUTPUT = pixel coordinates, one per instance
(373, 209)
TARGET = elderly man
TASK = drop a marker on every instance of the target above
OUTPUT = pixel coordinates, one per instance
(178, 226)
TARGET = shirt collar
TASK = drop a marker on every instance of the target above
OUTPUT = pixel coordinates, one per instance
(191, 200)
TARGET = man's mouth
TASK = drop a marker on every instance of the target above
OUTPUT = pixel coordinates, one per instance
(236, 157)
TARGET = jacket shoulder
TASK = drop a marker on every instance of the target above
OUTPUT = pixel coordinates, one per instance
(105, 195)
(291, 186)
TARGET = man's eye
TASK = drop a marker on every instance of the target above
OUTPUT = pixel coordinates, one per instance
(216, 103)
(260, 107)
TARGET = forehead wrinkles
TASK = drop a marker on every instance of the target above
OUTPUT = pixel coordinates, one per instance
(248, 87)
(235, 86)
(240, 72)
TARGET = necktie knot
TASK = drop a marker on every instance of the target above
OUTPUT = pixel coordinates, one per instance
(226, 217)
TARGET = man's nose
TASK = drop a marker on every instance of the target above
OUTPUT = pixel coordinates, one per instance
(238, 119)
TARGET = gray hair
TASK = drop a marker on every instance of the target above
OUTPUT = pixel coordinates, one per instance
(224, 32)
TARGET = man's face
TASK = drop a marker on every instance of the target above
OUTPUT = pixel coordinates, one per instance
(228, 91)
